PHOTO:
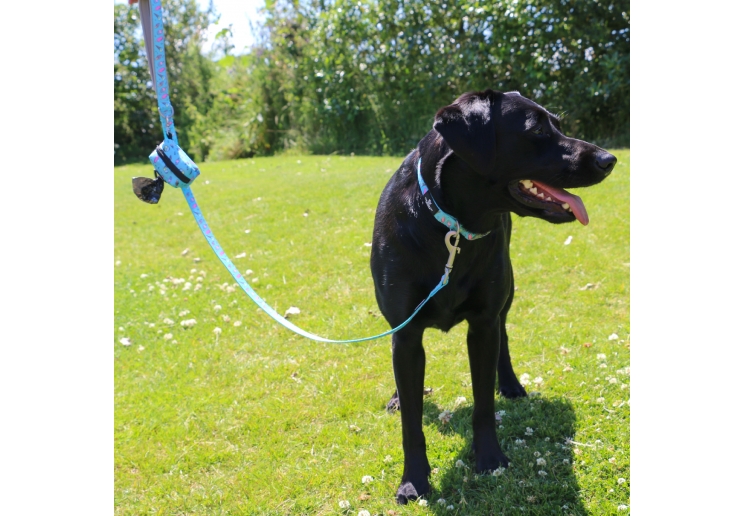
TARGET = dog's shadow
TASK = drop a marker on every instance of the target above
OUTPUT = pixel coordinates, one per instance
(540, 477)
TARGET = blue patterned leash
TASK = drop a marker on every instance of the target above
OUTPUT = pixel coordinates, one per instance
(172, 165)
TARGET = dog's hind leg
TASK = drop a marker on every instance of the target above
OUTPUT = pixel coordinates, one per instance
(509, 385)
(483, 352)
(394, 404)
(409, 363)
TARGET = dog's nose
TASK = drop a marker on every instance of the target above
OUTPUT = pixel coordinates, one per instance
(606, 162)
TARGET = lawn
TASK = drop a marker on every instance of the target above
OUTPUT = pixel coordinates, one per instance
(252, 419)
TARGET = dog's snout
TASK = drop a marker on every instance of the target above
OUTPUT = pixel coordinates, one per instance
(606, 162)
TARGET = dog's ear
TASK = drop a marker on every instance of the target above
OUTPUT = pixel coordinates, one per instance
(468, 128)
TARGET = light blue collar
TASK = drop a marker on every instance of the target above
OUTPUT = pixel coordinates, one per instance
(439, 214)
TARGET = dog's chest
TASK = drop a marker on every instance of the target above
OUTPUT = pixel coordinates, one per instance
(480, 285)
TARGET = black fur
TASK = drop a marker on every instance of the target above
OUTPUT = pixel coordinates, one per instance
(481, 145)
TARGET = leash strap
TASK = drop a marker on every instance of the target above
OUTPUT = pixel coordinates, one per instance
(151, 17)
(177, 169)
(439, 214)
(212, 241)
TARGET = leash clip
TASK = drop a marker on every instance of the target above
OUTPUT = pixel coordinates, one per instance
(453, 250)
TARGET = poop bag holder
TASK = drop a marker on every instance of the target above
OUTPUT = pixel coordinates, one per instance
(172, 166)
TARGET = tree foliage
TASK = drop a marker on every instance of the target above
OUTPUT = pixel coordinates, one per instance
(368, 76)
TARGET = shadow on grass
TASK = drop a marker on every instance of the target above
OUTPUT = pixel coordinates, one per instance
(529, 485)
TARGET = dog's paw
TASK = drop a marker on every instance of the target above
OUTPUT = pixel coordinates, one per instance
(512, 390)
(394, 404)
(407, 491)
(491, 462)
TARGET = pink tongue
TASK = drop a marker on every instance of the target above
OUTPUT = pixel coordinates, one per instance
(574, 201)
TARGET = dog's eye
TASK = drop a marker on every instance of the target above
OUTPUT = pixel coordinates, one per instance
(537, 130)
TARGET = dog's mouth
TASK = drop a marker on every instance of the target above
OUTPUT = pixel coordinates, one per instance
(554, 202)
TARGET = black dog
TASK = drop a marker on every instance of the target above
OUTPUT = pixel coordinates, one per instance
(490, 154)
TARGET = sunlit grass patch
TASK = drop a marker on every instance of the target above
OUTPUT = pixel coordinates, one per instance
(220, 410)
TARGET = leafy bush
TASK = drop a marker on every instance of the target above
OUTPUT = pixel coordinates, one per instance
(367, 77)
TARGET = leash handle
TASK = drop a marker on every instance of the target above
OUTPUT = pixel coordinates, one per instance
(212, 241)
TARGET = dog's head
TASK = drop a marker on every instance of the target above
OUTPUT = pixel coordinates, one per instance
(517, 146)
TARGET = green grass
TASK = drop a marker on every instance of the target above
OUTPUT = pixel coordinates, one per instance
(257, 420)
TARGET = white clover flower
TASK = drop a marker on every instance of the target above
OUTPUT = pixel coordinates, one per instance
(366, 479)
(237, 323)
(520, 442)
(167, 321)
(541, 462)
(601, 356)
(536, 454)
(442, 501)
(217, 308)
(537, 381)
(217, 330)
(459, 464)
(566, 461)
(622, 507)
(198, 286)
(344, 504)
(387, 459)
(613, 337)
(612, 380)
(542, 473)
(498, 471)
(187, 286)
(528, 431)
(168, 336)
(603, 366)
(230, 289)
(125, 341)
(445, 416)
(188, 323)
(450, 507)
(199, 279)
(292, 310)
(460, 400)
(363, 513)
(524, 379)
(183, 313)
(226, 318)
(423, 502)
(612, 460)
(620, 480)
(248, 272)
(177, 281)
(501, 413)
(600, 399)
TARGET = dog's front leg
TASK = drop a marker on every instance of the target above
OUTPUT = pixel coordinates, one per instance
(409, 363)
(484, 336)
